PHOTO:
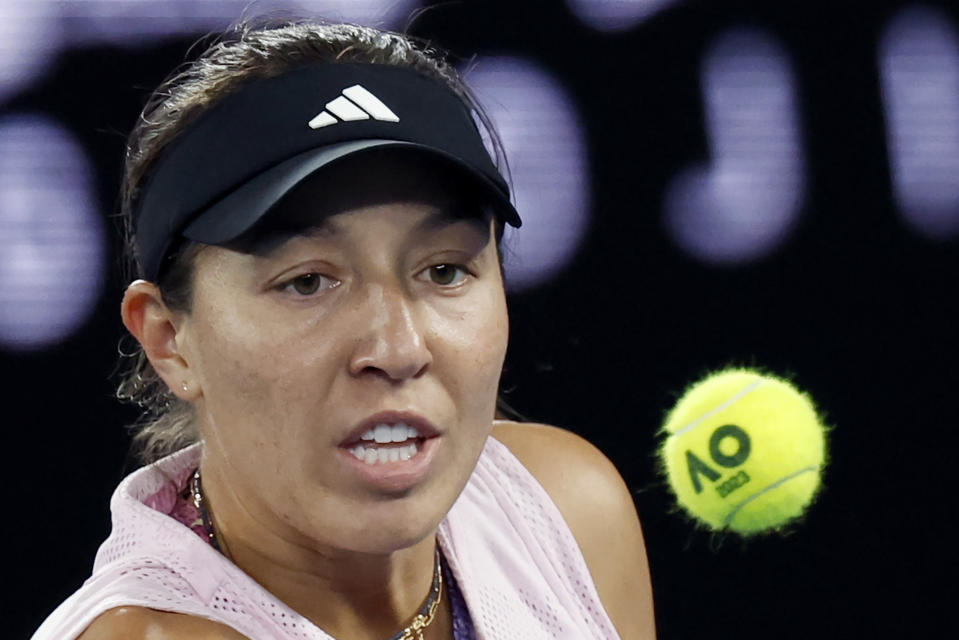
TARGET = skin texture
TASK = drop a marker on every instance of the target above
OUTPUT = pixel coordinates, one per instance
(293, 341)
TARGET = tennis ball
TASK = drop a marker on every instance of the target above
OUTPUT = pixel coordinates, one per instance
(743, 451)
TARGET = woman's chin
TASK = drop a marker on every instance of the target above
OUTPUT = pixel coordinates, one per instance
(377, 527)
(389, 538)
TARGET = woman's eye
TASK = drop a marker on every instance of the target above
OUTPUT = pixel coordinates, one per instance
(446, 274)
(308, 284)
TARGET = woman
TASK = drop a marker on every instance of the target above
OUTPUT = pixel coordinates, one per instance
(316, 223)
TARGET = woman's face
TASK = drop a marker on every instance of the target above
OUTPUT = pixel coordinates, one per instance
(389, 311)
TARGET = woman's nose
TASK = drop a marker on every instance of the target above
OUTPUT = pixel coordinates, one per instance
(390, 339)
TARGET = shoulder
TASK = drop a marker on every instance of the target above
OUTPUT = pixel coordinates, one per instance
(598, 507)
(141, 623)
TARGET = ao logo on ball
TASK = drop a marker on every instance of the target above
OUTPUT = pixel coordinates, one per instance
(696, 466)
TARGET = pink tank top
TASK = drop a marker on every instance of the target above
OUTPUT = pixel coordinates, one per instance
(515, 560)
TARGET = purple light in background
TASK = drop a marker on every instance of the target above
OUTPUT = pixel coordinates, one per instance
(51, 238)
(545, 147)
(616, 15)
(128, 21)
(919, 67)
(29, 34)
(32, 30)
(385, 14)
(743, 204)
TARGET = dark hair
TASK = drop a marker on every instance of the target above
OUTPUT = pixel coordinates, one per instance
(249, 50)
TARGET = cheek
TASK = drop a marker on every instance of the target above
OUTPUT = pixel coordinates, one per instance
(475, 342)
(254, 375)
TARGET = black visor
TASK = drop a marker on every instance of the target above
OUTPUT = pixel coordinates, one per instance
(238, 160)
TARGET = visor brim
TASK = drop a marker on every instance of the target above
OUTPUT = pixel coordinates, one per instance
(247, 205)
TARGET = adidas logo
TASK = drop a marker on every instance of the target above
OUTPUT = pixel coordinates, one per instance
(356, 103)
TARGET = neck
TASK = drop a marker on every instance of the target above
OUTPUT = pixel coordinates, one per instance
(347, 593)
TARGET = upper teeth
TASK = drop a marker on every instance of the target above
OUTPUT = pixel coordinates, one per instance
(383, 433)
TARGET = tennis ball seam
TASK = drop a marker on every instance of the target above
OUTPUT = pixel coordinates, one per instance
(735, 510)
(752, 386)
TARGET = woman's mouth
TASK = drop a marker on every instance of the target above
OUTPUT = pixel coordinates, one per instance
(393, 451)
(387, 443)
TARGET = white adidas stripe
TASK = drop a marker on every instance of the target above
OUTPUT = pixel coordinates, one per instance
(373, 105)
(346, 110)
(322, 120)
(356, 103)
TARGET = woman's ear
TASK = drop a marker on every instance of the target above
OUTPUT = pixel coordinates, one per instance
(147, 317)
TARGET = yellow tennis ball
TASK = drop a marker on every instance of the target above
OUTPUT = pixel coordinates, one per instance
(743, 451)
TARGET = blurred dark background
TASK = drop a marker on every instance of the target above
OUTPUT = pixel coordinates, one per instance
(761, 183)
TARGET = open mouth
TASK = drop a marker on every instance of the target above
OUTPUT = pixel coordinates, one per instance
(387, 443)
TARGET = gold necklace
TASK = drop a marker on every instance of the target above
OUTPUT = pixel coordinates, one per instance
(424, 617)
(427, 612)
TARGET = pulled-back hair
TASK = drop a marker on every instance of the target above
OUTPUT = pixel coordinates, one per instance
(248, 51)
